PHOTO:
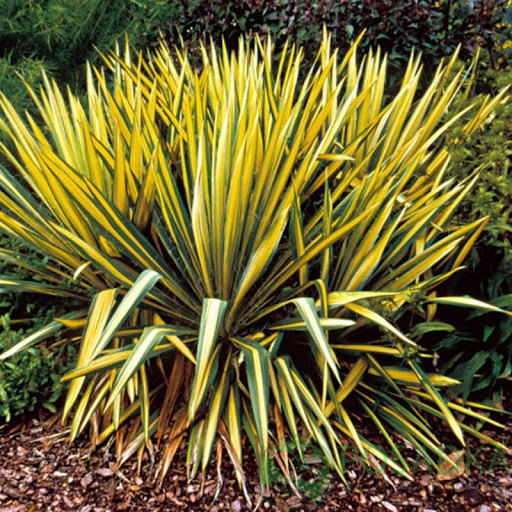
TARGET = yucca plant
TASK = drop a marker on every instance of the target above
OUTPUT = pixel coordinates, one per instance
(247, 246)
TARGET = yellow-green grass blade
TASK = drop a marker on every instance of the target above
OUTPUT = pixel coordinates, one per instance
(338, 299)
(133, 297)
(102, 261)
(81, 417)
(258, 263)
(207, 351)
(234, 425)
(379, 320)
(377, 369)
(142, 350)
(144, 401)
(97, 318)
(457, 408)
(370, 249)
(17, 192)
(301, 394)
(410, 377)
(485, 110)
(123, 234)
(330, 450)
(297, 238)
(439, 401)
(36, 337)
(8, 284)
(127, 413)
(297, 324)
(469, 302)
(326, 383)
(410, 271)
(374, 450)
(367, 348)
(412, 427)
(256, 362)
(286, 402)
(465, 250)
(283, 367)
(354, 435)
(421, 443)
(467, 428)
(404, 408)
(217, 402)
(110, 360)
(350, 382)
(318, 248)
(386, 435)
(252, 434)
(307, 311)
(179, 344)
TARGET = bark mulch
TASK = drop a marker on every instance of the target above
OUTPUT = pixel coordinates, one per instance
(39, 470)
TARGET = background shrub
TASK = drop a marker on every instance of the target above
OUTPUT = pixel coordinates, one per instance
(479, 350)
(435, 28)
(61, 35)
(31, 379)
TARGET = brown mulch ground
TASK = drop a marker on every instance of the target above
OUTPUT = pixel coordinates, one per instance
(39, 470)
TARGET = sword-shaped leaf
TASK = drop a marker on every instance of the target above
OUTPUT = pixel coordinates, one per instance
(257, 361)
(211, 321)
(217, 403)
(38, 336)
(439, 400)
(469, 302)
(150, 338)
(307, 311)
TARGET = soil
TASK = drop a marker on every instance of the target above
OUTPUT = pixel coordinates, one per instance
(40, 470)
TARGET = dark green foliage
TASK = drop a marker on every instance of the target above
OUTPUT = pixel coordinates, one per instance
(486, 23)
(490, 150)
(479, 351)
(60, 34)
(33, 378)
(435, 28)
(27, 68)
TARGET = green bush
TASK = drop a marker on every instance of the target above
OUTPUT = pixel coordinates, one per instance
(60, 35)
(31, 379)
(488, 149)
(435, 28)
(479, 350)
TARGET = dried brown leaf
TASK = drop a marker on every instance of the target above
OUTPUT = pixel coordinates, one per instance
(450, 472)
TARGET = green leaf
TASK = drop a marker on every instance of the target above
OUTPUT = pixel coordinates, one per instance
(307, 311)
(207, 352)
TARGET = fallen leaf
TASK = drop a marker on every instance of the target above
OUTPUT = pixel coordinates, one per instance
(450, 472)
